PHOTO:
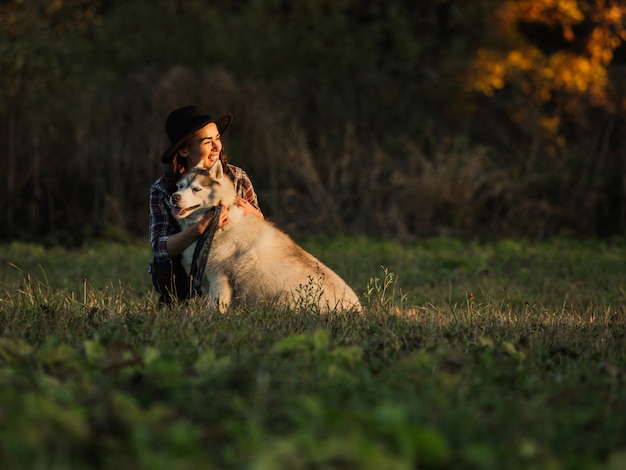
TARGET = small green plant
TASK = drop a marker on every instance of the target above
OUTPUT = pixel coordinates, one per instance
(384, 293)
(307, 296)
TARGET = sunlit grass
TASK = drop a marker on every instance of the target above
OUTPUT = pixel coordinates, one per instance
(465, 356)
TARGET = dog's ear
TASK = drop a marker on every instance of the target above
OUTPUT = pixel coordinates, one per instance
(217, 171)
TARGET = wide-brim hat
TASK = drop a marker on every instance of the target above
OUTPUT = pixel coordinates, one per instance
(183, 122)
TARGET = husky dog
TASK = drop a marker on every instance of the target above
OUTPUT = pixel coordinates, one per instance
(251, 261)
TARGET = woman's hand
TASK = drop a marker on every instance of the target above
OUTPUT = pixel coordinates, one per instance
(247, 208)
(206, 219)
(204, 222)
(224, 219)
(177, 242)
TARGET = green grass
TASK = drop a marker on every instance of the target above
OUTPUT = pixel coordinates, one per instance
(467, 355)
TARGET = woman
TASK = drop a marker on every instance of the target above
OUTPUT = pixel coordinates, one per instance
(195, 143)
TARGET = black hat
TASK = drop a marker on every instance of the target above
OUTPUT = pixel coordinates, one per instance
(183, 122)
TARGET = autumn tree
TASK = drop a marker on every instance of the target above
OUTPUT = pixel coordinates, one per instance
(557, 54)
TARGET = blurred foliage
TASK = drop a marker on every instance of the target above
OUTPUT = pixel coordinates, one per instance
(395, 118)
(557, 56)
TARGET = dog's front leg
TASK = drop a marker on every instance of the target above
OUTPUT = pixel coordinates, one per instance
(220, 293)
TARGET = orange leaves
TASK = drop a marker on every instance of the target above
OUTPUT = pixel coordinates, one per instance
(492, 71)
(550, 12)
(538, 74)
(609, 32)
(540, 66)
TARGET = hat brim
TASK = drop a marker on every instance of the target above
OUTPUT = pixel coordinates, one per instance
(222, 124)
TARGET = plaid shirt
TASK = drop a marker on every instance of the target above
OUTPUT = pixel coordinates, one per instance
(163, 224)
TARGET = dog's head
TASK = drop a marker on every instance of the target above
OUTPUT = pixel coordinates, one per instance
(200, 190)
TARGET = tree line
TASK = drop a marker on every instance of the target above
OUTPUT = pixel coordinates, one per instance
(385, 118)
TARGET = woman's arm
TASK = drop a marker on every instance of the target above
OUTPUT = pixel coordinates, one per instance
(176, 243)
(165, 238)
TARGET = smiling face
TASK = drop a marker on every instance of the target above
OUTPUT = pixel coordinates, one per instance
(204, 147)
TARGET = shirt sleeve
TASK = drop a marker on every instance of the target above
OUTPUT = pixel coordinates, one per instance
(244, 187)
(162, 224)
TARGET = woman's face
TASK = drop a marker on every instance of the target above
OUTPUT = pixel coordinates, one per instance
(204, 147)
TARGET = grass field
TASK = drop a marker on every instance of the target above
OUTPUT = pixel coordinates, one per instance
(509, 355)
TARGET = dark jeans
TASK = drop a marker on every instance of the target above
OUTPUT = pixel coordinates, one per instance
(170, 280)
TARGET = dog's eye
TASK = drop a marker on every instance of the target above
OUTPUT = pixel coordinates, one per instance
(195, 190)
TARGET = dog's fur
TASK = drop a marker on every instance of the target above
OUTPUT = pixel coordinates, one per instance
(251, 261)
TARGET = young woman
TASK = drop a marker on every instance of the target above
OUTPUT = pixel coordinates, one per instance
(195, 139)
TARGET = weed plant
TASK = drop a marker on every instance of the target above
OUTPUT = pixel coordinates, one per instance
(510, 355)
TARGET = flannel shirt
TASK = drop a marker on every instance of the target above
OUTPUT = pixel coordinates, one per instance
(163, 223)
